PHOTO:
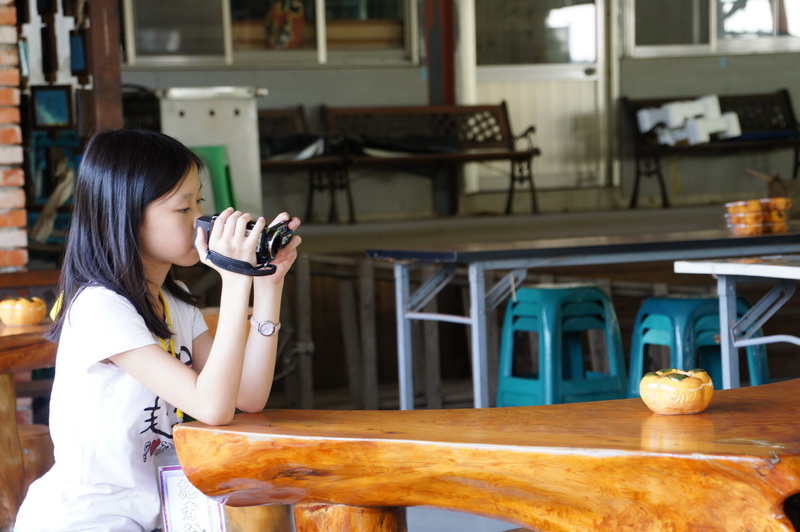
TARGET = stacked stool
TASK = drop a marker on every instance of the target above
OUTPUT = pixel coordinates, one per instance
(689, 327)
(561, 316)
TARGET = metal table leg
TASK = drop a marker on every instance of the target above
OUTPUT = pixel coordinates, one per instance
(477, 315)
(405, 362)
(726, 289)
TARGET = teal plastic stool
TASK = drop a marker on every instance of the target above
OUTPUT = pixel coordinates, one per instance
(708, 351)
(689, 327)
(561, 316)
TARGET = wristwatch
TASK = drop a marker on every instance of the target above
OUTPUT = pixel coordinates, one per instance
(266, 328)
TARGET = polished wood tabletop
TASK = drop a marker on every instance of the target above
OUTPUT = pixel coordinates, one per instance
(24, 348)
(609, 465)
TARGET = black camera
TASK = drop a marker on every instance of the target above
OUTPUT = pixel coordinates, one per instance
(272, 240)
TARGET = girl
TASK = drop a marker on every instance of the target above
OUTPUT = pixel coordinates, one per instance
(134, 350)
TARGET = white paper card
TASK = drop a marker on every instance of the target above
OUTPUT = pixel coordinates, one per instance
(185, 508)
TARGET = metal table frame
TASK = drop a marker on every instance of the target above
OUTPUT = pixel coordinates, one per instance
(518, 257)
(781, 271)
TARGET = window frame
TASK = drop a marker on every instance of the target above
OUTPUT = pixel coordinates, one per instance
(320, 57)
(715, 46)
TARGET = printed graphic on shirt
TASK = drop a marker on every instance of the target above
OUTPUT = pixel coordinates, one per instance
(163, 435)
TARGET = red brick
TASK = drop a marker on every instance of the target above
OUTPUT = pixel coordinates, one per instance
(9, 76)
(9, 115)
(12, 177)
(8, 15)
(10, 135)
(13, 258)
(12, 198)
(9, 96)
(13, 218)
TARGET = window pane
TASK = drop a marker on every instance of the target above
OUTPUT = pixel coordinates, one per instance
(365, 24)
(671, 23)
(758, 18)
(745, 19)
(163, 28)
(273, 24)
(789, 18)
(517, 32)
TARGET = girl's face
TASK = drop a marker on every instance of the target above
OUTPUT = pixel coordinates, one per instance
(167, 233)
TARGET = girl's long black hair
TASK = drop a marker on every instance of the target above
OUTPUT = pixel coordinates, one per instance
(121, 173)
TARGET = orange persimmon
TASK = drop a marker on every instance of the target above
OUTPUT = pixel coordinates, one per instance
(673, 391)
(22, 310)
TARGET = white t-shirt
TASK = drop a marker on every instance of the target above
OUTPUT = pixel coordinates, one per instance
(107, 427)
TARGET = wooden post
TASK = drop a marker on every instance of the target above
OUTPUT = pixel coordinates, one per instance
(272, 518)
(433, 365)
(12, 468)
(305, 348)
(316, 517)
(369, 336)
(350, 336)
(105, 63)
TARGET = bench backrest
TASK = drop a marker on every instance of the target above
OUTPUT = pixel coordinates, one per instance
(763, 114)
(287, 121)
(471, 126)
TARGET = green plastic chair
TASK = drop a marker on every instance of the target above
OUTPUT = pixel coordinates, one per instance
(215, 159)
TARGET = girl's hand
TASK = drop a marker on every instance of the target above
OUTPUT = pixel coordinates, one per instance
(230, 237)
(286, 257)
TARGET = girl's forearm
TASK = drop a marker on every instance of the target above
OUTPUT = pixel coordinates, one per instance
(219, 381)
(261, 351)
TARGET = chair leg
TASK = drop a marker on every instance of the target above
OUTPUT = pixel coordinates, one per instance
(310, 196)
(333, 209)
(635, 193)
(662, 184)
(521, 172)
(344, 176)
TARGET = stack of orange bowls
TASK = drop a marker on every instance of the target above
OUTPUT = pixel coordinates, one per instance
(758, 216)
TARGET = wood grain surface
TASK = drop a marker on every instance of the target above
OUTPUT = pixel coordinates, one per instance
(23, 348)
(590, 466)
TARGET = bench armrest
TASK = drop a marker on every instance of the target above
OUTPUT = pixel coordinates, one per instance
(528, 136)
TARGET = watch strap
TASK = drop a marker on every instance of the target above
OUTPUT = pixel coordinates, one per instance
(261, 326)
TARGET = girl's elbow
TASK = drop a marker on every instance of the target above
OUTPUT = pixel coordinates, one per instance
(252, 406)
(217, 417)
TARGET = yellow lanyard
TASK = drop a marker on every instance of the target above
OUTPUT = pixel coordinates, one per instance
(171, 348)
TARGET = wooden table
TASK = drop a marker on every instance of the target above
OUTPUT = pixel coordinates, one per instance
(783, 271)
(609, 465)
(520, 256)
(21, 349)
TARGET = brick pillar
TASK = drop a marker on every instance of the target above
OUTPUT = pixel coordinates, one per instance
(13, 234)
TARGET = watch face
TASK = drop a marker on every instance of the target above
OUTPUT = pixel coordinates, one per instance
(267, 328)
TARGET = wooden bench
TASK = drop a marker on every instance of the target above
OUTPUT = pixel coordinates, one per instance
(767, 121)
(282, 130)
(433, 136)
(608, 465)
